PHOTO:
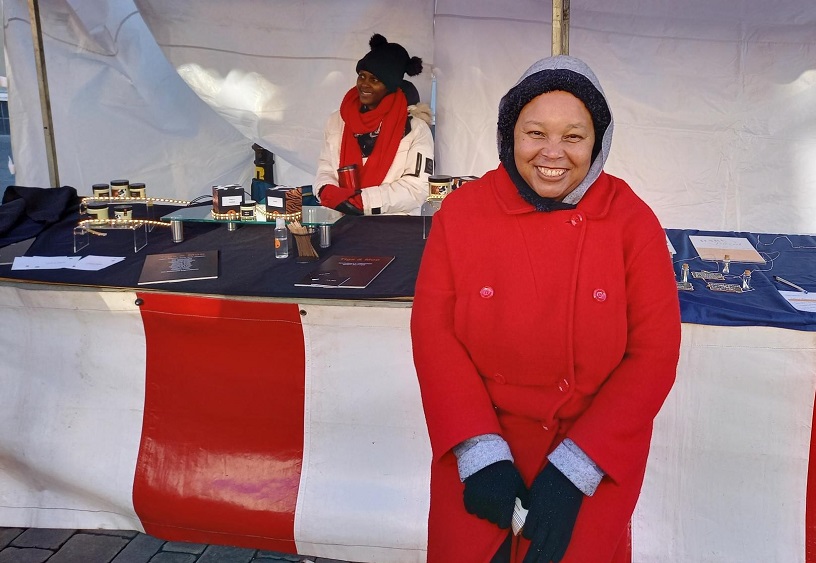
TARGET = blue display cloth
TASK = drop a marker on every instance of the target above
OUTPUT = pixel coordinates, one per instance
(792, 257)
(248, 266)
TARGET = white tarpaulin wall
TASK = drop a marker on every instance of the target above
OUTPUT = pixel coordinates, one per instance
(715, 102)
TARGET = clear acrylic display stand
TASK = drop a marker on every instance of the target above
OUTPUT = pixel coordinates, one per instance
(431, 206)
(98, 227)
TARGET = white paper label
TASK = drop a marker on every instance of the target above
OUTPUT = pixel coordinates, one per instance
(230, 200)
(274, 202)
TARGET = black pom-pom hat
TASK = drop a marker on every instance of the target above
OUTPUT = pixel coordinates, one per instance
(389, 62)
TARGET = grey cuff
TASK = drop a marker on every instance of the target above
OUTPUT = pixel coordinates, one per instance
(478, 452)
(571, 460)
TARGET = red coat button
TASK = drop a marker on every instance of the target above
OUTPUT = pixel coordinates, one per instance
(499, 378)
(599, 295)
(576, 220)
(564, 386)
(486, 292)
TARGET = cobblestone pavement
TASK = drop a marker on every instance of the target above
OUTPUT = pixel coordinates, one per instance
(38, 545)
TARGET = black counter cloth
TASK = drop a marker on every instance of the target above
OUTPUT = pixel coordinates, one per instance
(248, 266)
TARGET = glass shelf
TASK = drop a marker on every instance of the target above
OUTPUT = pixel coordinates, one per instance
(312, 216)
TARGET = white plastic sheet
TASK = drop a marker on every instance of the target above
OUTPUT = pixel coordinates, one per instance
(119, 109)
(715, 103)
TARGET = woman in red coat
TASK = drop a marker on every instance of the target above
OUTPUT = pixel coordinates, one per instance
(546, 334)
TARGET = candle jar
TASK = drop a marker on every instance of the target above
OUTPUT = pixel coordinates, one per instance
(439, 186)
(137, 190)
(248, 211)
(97, 211)
(100, 190)
(120, 188)
(123, 212)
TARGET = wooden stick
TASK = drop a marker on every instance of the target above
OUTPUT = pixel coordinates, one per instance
(303, 239)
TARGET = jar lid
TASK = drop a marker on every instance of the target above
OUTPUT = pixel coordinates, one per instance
(100, 186)
(119, 182)
(123, 207)
(97, 205)
(440, 178)
(136, 185)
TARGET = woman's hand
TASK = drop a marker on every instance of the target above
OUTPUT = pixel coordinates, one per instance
(332, 196)
(553, 509)
(491, 492)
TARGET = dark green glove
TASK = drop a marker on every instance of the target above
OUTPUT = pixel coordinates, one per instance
(491, 492)
(554, 506)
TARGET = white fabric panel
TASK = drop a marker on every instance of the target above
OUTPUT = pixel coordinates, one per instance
(715, 103)
(482, 48)
(715, 107)
(727, 473)
(277, 69)
(27, 141)
(119, 109)
(364, 487)
(71, 406)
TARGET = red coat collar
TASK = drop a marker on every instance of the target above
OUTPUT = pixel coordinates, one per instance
(595, 203)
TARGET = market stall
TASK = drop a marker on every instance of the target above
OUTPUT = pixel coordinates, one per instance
(245, 410)
(235, 411)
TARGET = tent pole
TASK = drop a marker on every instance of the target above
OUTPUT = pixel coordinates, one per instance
(45, 97)
(560, 27)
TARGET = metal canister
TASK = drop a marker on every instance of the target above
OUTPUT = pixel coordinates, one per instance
(348, 177)
(324, 235)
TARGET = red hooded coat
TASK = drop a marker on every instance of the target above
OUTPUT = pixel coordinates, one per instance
(539, 326)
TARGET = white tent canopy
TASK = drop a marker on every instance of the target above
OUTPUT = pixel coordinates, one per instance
(715, 102)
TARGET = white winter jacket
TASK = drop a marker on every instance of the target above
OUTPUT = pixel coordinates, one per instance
(405, 186)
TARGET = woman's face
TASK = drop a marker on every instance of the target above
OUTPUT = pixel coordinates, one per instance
(370, 89)
(553, 140)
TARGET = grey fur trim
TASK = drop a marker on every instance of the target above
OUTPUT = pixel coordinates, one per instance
(478, 452)
(571, 460)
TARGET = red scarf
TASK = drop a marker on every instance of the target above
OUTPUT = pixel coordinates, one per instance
(389, 115)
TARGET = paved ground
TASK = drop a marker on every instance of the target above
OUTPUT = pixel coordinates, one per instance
(38, 545)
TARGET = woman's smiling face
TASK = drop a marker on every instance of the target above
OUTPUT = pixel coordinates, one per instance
(553, 140)
(370, 89)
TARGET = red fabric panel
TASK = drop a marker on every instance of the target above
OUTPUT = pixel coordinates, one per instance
(222, 440)
(810, 499)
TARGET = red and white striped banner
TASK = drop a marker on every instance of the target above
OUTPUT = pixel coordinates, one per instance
(299, 427)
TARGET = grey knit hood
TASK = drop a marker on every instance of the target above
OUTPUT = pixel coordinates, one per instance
(567, 74)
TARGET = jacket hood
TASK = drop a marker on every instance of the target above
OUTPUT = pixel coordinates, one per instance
(568, 74)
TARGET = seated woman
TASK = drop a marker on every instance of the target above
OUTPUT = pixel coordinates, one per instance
(376, 129)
